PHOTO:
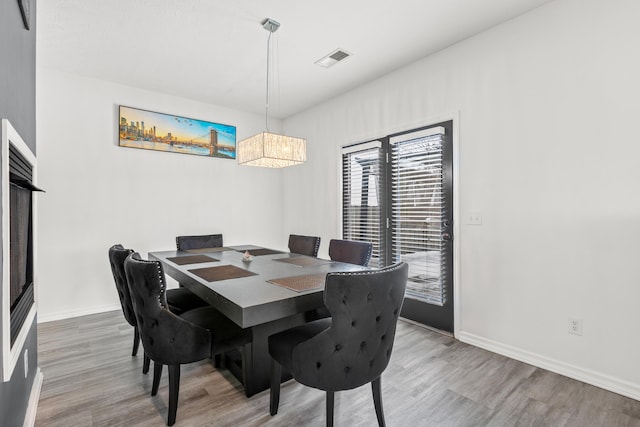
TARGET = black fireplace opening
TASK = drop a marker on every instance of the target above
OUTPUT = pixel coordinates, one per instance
(21, 188)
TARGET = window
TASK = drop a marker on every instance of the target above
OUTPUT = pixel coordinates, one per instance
(362, 214)
(418, 211)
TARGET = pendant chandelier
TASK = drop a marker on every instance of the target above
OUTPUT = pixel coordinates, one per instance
(268, 149)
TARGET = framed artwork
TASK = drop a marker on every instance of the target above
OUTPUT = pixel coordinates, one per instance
(25, 10)
(150, 130)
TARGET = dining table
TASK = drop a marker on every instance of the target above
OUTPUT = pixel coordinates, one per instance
(261, 289)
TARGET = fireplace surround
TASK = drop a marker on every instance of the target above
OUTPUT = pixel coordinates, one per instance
(18, 177)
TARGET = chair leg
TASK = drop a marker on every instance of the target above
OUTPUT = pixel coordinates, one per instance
(136, 341)
(377, 399)
(274, 393)
(330, 399)
(145, 364)
(157, 373)
(174, 389)
(217, 361)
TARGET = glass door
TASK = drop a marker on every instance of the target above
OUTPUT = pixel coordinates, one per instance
(421, 216)
(397, 193)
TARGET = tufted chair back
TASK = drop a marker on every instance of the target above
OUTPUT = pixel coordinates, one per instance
(184, 243)
(357, 346)
(351, 251)
(167, 338)
(304, 245)
(117, 255)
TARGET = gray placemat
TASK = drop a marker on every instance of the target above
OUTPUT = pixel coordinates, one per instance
(301, 283)
(223, 272)
(303, 261)
(260, 251)
(205, 250)
(191, 259)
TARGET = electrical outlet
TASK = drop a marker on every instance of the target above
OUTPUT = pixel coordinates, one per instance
(575, 326)
(474, 217)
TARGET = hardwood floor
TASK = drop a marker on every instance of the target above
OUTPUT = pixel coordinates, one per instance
(90, 379)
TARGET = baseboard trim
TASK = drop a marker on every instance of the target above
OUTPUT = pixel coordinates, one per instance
(615, 385)
(50, 317)
(34, 398)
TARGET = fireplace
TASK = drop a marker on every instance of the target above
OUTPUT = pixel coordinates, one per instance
(18, 206)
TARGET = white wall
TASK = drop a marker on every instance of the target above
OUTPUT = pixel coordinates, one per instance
(548, 109)
(99, 194)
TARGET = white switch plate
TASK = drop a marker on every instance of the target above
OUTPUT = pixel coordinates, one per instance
(474, 217)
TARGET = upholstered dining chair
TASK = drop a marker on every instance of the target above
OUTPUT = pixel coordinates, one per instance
(304, 245)
(350, 349)
(185, 243)
(350, 251)
(178, 300)
(117, 255)
(173, 340)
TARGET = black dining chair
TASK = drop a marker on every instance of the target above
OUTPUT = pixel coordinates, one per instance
(185, 243)
(186, 298)
(178, 299)
(304, 245)
(350, 251)
(117, 255)
(350, 349)
(171, 339)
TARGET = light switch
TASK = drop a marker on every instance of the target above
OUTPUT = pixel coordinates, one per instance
(474, 218)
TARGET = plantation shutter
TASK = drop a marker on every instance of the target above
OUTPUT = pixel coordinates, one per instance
(363, 183)
(418, 211)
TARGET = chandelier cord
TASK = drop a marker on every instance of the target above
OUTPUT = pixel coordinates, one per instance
(266, 114)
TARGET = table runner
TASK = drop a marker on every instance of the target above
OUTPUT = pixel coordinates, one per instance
(223, 272)
(191, 259)
(301, 283)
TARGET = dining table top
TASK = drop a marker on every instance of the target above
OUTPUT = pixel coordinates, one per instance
(273, 285)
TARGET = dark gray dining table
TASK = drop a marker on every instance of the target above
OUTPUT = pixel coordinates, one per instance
(252, 301)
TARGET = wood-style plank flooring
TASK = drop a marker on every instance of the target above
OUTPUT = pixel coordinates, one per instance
(90, 379)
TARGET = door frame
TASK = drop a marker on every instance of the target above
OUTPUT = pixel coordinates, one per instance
(430, 121)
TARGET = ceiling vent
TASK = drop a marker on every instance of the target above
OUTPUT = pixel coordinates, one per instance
(333, 58)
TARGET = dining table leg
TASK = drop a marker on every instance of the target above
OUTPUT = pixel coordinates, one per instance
(256, 361)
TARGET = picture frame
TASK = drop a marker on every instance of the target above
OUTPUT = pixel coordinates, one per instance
(151, 130)
(25, 10)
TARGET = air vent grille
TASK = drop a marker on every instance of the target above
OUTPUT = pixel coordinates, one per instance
(333, 58)
(339, 55)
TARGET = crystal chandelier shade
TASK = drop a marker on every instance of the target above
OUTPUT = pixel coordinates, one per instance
(271, 150)
(267, 149)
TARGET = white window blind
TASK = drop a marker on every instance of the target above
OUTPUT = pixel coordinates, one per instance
(362, 206)
(418, 212)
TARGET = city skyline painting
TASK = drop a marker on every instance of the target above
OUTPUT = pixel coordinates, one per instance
(151, 130)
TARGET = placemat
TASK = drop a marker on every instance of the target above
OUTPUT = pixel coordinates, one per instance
(301, 283)
(303, 261)
(205, 250)
(223, 272)
(258, 252)
(191, 259)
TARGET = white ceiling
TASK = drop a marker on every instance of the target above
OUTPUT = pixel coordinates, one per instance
(215, 51)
